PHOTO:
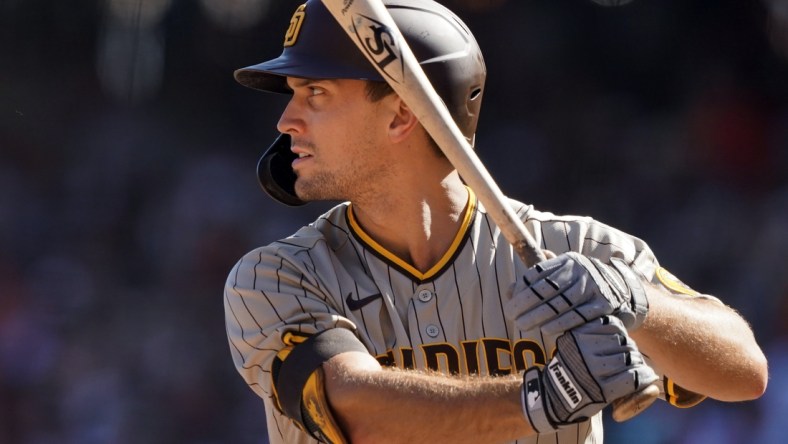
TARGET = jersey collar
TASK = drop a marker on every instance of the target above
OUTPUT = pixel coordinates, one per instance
(398, 263)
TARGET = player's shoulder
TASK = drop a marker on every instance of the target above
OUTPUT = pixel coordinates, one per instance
(582, 233)
(305, 254)
(328, 231)
(528, 213)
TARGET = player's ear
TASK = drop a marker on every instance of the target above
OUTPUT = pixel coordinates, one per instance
(403, 121)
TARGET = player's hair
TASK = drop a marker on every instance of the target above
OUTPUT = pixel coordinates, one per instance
(376, 91)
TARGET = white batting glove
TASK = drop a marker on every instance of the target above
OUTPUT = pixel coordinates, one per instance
(594, 364)
(561, 293)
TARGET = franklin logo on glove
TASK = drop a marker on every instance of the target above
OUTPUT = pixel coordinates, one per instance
(585, 374)
(564, 385)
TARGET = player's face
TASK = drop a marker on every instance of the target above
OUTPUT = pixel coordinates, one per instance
(337, 133)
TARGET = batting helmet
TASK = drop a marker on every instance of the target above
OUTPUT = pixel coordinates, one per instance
(315, 46)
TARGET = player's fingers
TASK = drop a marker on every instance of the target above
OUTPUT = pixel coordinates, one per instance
(593, 309)
(627, 381)
(616, 358)
(564, 323)
(567, 310)
(609, 343)
(611, 364)
(560, 313)
(525, 298)
(553, 305)
(521, 302)
(542, 269)
(603, 325)
(535, 317)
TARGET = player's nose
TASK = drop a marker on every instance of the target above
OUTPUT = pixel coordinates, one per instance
(290, 122)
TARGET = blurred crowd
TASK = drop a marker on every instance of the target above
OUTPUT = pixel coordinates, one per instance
(127, 190)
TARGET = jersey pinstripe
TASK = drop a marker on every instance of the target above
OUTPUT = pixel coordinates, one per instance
(331, 274)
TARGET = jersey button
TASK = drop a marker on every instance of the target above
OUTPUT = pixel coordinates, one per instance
(433, 331)
(425, 295)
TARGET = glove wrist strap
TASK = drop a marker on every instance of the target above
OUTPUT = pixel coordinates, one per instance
(533, 399)
(638, 300)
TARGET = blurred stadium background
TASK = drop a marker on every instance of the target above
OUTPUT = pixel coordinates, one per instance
(127, 190)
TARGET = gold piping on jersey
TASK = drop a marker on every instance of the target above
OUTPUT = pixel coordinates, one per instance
(383, 253)
(672, 282)
(320, 417)
(290, 339)
(680, 397)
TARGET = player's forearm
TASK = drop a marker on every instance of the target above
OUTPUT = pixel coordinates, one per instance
(376, 405)
(703, 346)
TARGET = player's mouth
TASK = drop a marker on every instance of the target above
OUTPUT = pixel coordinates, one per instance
(303, 156)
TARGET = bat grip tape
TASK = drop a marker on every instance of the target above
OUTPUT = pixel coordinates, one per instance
(304, 360)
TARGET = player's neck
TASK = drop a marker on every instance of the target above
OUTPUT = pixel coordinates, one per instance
(416, 222)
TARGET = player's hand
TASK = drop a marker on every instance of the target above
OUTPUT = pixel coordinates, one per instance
(569, 290)
(594, 364)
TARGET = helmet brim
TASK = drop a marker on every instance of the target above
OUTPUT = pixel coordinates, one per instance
(271, 75)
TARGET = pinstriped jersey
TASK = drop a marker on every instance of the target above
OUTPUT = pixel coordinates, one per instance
(331, 274)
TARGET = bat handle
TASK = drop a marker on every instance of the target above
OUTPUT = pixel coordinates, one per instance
(629, 406)
(528, 252)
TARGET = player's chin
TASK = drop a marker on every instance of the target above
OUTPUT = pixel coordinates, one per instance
(314, 190)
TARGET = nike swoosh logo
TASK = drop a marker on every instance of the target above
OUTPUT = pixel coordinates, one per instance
(354, 304)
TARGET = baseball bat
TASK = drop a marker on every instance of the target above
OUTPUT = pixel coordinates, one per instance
(373, 30)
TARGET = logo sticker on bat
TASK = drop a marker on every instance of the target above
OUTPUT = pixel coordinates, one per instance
(380, 46)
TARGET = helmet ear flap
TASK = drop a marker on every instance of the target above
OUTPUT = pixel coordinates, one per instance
(275, 173)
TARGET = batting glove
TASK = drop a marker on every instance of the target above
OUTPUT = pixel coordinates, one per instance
(569, 290)
(594, 364)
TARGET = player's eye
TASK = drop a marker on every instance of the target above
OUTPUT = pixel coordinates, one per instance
(316, 91)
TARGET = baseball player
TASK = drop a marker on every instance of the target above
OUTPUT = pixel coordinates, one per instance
(403, 315)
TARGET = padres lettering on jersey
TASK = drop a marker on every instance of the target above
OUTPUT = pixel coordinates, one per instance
(332, 274)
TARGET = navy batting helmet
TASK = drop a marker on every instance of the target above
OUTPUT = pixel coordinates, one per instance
(315, 46)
